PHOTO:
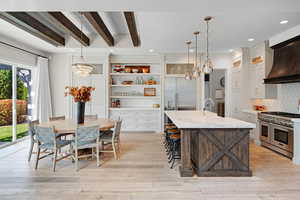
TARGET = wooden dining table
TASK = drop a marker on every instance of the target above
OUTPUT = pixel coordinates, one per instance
(69, 126)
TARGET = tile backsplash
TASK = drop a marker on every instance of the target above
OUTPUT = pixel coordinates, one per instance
(287, 100)
(288, 97)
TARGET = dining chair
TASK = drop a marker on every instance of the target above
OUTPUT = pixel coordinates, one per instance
(86, 137)
(91, 117)
(32, 136)
(112, 139)
(57, 118)
(47, 139)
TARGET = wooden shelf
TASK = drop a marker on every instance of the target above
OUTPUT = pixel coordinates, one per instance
(145, 108)
(174, 75)
(135, 85)
(135, 97)
(135, 74)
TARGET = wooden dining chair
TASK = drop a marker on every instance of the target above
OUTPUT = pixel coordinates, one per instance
(112, 139)
(47, 139)
(32, 137)
(91, 117)
(57, 118)
(86, 137)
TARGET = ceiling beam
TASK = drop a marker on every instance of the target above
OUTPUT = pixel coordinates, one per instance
(33, 26)
(98, 24)
(68, 26)
(130, 19)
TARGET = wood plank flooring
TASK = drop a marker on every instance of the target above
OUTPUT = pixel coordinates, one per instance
(142, 173)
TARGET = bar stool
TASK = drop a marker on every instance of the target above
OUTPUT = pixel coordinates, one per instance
(169, 132)
(174, 149)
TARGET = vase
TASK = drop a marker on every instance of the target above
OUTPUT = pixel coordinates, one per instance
(80, 112)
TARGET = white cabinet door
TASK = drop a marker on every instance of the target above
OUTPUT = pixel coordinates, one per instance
(98, 96)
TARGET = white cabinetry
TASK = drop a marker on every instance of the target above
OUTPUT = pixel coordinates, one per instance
(127, 96)
(261, 57)
(251, 117)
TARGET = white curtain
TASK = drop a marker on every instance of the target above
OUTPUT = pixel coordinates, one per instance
(42, 109)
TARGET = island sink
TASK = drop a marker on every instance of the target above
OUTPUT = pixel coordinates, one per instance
(212, 145)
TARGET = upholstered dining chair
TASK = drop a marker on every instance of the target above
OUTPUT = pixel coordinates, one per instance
(112, 139)
(91, 117)
(86, 137)
(57, 118)
(32, 136)
(47, 139)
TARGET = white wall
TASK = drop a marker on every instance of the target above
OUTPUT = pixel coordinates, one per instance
(288, 34)
(59, 72)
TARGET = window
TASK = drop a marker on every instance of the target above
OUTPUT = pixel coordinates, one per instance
(15, 102)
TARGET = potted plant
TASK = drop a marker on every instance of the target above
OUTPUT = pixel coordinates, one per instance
(81, 95)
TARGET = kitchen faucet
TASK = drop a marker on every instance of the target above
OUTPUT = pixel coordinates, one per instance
(208, 103)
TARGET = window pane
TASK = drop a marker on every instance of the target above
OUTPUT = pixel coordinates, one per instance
(5, 103)
(23, 101)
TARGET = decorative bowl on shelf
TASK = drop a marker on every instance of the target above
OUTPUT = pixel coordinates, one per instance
(127, 82)
(156, 105)
(135, 70)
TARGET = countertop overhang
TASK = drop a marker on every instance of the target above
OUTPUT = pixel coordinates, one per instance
(200, 119)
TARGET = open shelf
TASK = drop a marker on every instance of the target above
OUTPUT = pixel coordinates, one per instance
(135, 97)
(135, 74)
(137, 108)
(135, 85)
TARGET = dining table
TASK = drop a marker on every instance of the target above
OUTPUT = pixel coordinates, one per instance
(69, 126)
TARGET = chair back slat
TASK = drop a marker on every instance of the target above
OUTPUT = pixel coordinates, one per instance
(32, 125)
(86, 133)
(45, 135)
(117, 129)
(57, 118)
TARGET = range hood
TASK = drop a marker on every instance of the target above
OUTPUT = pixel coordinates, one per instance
(286, 62)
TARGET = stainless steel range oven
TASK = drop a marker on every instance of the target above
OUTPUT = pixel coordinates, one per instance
(276, 131)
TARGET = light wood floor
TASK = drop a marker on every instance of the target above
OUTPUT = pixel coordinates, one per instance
(141, 174)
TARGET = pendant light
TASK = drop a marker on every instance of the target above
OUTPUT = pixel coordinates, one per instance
(81, 68)
(188, 74)
(207, 66)
(196, 70)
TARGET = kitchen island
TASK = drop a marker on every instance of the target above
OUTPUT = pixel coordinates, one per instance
(212, 145)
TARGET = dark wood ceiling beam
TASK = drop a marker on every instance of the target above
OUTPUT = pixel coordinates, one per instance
(98, 24)
(130, 19)
(68, 26)
(33, 26)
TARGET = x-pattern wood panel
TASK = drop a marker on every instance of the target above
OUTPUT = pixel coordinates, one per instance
(224, 149)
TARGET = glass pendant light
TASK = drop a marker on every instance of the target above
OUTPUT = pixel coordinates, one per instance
(188, 74)
(196, 70)
(81, 68)
(207, 66)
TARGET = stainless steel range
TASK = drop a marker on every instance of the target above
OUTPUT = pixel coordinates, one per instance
(277, 131)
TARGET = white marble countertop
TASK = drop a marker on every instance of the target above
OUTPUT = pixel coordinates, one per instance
(199, 119)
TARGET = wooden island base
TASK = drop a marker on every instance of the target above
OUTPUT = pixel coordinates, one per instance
(215, 152)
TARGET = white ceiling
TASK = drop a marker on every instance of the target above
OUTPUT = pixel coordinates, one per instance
(165, 25)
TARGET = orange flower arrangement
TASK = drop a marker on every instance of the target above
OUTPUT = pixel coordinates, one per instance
(80, 94)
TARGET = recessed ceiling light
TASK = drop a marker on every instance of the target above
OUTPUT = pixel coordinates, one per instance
(284, 22)
(151, 50)
(251, 39)
(230, 50)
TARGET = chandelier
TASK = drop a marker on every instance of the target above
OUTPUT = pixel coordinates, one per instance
(81, 68)
(207, 66)
(188, 74)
